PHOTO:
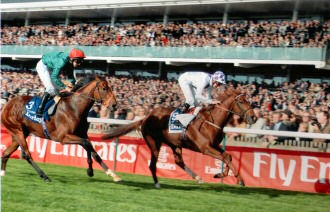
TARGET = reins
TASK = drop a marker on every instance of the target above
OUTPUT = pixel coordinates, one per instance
(243, 114)
(96, 89)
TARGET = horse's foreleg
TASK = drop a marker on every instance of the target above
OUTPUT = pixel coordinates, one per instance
(223, 174)
(73, 139)
(227, 159)
(90, 171)
(108, 171)
(89, 148)
(179, 161)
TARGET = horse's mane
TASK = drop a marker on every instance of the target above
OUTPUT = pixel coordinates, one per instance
(228, 92)
(83, 81)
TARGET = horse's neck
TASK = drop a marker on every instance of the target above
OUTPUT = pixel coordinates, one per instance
(87, 90)
(221, 114)
(214, 118)
(84, 97)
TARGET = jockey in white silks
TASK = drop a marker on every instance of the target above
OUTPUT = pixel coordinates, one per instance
(193, 85)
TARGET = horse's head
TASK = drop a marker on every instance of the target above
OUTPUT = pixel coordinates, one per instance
(103, 93)
(243, 108)
(235, 102)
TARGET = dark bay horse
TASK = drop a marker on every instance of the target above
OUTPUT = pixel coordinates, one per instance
(68, 126)
(204, 134)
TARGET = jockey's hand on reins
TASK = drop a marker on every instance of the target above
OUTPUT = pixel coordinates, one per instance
(68, 85)
(67, 89)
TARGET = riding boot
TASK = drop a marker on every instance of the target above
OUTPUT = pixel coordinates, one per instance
(43, 103)
(185, 108)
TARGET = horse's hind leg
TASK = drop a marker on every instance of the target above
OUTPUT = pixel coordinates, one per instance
(21, 139)
(179, 161)
(6, 155)
(29, 159)
(154, 148)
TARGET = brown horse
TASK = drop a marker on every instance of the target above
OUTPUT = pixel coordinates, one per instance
(204, 134)
(68, 126)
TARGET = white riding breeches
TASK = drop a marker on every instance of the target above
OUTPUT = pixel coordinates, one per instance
(189, 93)
(45, 78)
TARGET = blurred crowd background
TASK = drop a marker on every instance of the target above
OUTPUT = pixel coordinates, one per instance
(299, 106)
(263, 33)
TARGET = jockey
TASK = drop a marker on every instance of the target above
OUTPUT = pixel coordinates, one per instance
(193, 84)
(51, 66)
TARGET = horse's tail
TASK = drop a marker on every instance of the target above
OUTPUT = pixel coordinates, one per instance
(122, 130)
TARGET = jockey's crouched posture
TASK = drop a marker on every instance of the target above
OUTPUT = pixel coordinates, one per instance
(49, 69)
(193, 84)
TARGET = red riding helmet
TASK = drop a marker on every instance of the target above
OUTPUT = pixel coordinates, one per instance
(77, 53)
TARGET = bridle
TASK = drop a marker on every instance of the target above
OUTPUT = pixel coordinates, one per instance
(242, 114)
(97, 90)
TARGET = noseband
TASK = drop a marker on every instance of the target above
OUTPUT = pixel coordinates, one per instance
(97, 90)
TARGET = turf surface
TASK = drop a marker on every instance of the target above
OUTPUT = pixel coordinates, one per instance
(72, 190)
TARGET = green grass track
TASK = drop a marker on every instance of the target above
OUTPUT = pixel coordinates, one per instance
(72, 190)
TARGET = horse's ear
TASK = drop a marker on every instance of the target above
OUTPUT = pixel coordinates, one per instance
(97, 77)
(242, 91)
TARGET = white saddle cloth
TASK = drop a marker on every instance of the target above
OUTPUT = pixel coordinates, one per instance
(185, 119)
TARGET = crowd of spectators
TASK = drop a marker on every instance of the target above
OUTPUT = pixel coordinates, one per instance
(309, 33)
(293, 106)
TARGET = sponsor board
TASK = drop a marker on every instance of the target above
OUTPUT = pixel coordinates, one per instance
(270, 168)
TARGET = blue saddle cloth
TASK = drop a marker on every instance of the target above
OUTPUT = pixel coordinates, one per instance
(173, 126)
(32, 108)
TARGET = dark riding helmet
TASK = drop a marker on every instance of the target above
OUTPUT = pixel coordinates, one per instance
(77, 54)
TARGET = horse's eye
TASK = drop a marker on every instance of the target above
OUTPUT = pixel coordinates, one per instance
(104, 89)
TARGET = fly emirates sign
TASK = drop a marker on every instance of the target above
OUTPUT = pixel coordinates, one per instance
(107, 151)
(287, 168)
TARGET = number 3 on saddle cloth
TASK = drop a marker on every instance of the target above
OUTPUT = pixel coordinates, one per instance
(179, 121)
(32, 108)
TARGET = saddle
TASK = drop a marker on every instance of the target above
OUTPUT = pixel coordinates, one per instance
(179, 121)
(185, 119)
(50, 108)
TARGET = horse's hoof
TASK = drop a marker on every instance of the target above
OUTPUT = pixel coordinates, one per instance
(2, 173)
(117, 179)
(48, 180)
(157, 185)
(90, 172)
(241, 183)
(200, 181)
(219, 175)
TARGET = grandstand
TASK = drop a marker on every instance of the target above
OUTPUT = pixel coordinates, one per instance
(241, 64)
(246, 59)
